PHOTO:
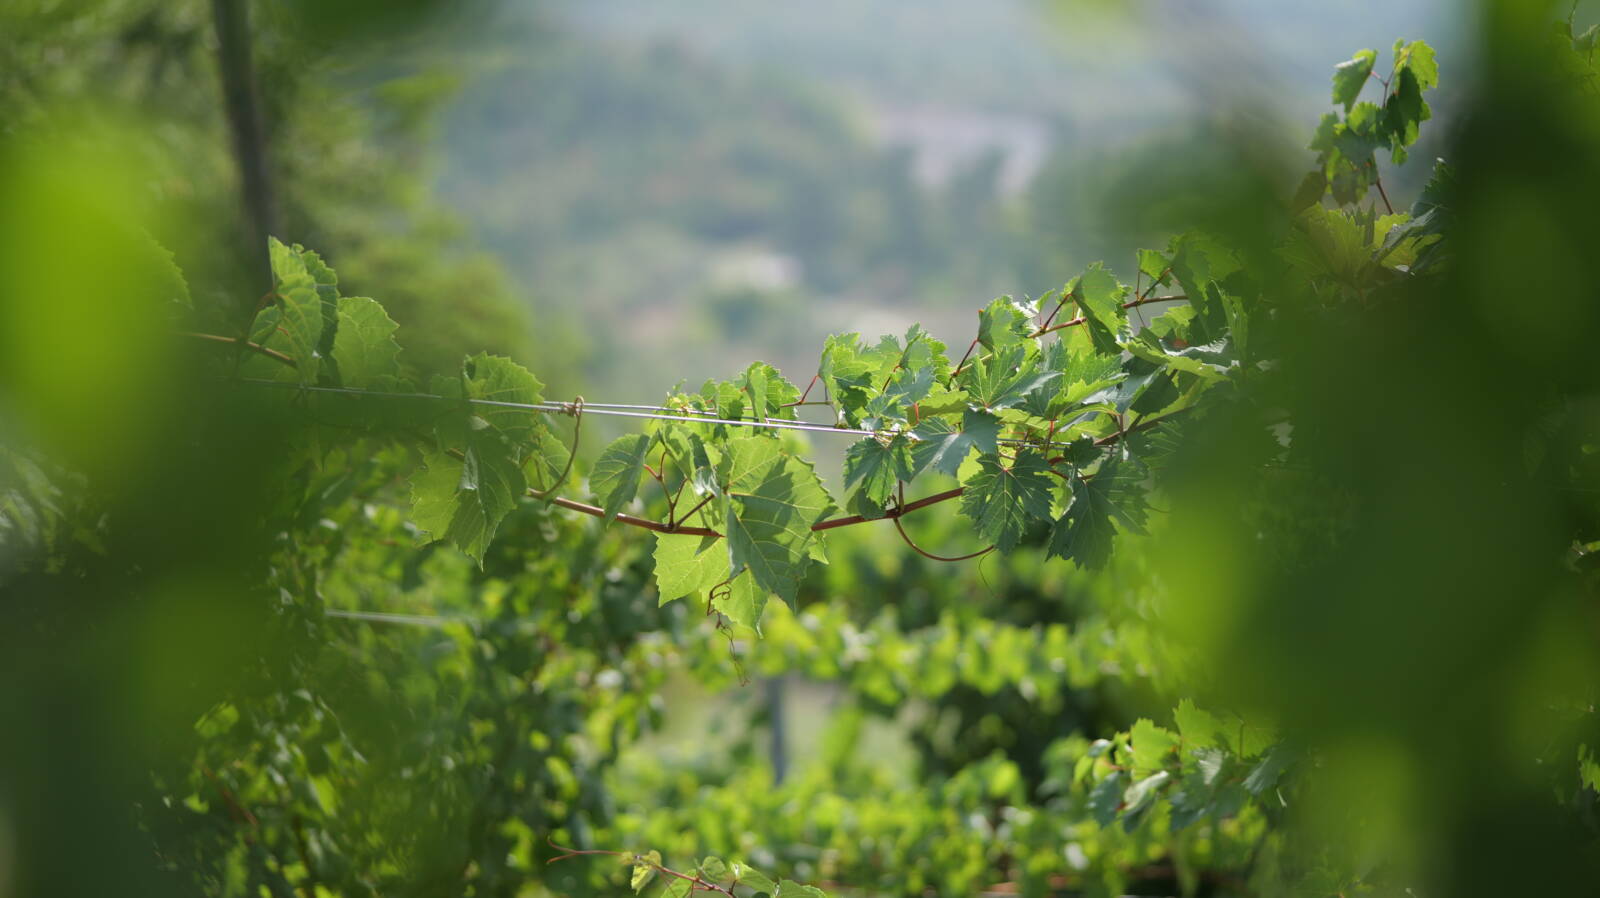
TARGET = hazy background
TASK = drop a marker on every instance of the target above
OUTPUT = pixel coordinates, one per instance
(682, 187)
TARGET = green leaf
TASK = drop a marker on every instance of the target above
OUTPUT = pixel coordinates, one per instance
(1248, 740)
(688, 460)
(1003, 323)
(1082, 368)
(943, 448)
(1150, 746)
(1141, 793)
(299, 307)
(363, 346)
(1405, 111)
(788, 888)
(1100, 296)
(1199, 728)
(910, 385)
(772, 499)
(644, 869)
(1265, 774)
(1105, 799)
(878, 466)
(328, 292)
(755, 879)
(923, 351)
(688, 565)
(941, 401)
(852, 373)
(617, 471)
(1001, 501)
(676, 887)
(715, 870)
(1006, 378)
(743, 602)
(498, 379)
(1350, 76)
(1084, 532)
(547, 459)
(463, 500)
(1419, 58)
(768, 393)
(1156, 266)
(1329, 243)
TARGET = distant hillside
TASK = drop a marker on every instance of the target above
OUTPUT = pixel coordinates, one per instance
(1041, 57)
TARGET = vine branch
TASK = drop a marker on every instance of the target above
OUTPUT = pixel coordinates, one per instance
(1130, 304)
(257, 348)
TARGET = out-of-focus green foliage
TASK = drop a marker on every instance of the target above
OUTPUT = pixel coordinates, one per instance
(135, 85)
(1327, 629)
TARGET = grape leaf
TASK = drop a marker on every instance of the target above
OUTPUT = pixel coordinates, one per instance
(1006, 378)
(1265, 774)
(1418, 56)
(1100, 296)
(714, 869)
(744, 602)
(923, 351)
(1003, 324)
(617, 471)
(299, 309)
(1405, 110)
(851, 373)
(769, 394)
(1141, 793)
(644, 869)
(327, 292)
(1150, 745)
(1001, 501)
(548, 459)
(788, 888)
(1199, 728)
(878, 466)
(943, 448)
(498, 379)
(771, 500)
(1084, 532)
(1105, 799)
(464, 499)
(363, 346)
(688, 565)
(1350, 76)
(755, 879)
(1155, 266)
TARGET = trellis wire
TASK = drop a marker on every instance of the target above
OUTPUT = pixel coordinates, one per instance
(432, 621)
(616, 409)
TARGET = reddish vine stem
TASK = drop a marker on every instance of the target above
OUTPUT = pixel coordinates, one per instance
(1378, 183)
(802, 400)
(235, 341)
(240, 813)
(630, 520)
(831, 523)
(1130, 304)
(1054, 312)
(577, 432)
(702, 504)
(963, 363)
(929, 555)
(934, 499)
(1146, 424)
(699, 883)
(1155, 283)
